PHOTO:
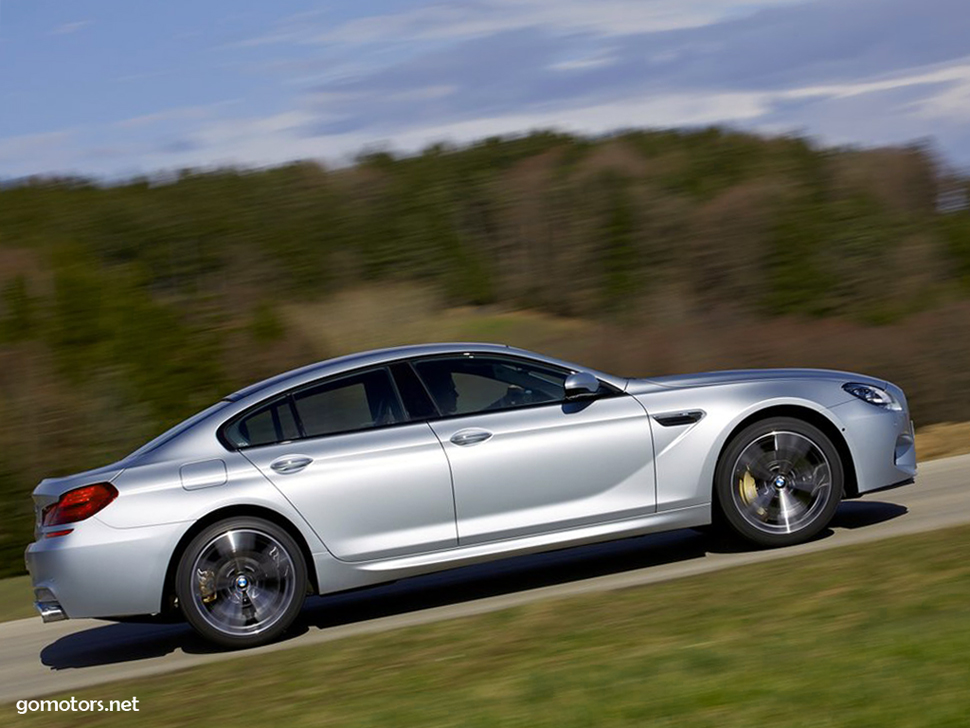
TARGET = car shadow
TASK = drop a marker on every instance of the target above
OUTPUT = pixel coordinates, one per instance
(861, 513)
(128, 641)
(121, 642)
(508, 576)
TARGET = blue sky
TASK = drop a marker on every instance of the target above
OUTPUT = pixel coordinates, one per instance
(112, 89)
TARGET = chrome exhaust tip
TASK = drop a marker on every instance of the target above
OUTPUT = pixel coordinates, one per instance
(48, 607)
(50, 611)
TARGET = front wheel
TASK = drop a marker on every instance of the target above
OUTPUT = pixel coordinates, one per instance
(779, 482)
(241, 582)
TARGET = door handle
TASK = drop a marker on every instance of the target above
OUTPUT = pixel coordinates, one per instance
(470, 437)
(290, 464)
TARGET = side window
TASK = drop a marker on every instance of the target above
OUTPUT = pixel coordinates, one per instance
(468, 384)
(267, 425)
(356, 402)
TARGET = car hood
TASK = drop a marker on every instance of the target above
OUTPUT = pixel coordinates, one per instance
(707, 379)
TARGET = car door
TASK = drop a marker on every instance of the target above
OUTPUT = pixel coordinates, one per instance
(524, 460)
(371, 481)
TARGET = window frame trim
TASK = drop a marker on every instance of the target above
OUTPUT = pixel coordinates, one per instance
(288, 395)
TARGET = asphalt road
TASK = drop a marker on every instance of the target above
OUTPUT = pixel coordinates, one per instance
(38, 659)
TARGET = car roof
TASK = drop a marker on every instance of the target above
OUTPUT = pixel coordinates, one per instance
(340, 364)
(190, 438)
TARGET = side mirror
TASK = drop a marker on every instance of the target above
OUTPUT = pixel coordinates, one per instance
(581, 384)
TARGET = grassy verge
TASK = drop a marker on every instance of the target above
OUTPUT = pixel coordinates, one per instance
(943, 440)
(872, 635)
(16, 598)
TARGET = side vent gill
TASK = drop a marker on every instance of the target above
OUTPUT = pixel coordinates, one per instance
(676, 419)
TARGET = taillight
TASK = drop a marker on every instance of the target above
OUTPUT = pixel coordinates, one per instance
(78, 504)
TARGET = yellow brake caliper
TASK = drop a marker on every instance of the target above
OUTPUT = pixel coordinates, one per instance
(206, 585)
(748, 489)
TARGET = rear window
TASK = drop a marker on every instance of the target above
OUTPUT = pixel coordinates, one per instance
(349, 403)
(270, 424)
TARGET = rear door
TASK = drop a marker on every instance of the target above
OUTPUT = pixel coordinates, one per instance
(370, 480)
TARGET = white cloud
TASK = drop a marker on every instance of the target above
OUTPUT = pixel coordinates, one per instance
(425, 93)
(355, 97)
(583, 64)
(225, 135)
(959, 73)
(31, 142)
(68, 28)
(657, 111)
(953, 104)
(175, 114)
(462, 20)
(277, 138)
(283, 137)
(257, 141)
(34, 153)
(951, 101)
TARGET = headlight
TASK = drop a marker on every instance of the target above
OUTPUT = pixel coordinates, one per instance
(873, 395)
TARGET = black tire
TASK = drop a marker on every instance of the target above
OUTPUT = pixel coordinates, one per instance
(241, 582)
(778, 482)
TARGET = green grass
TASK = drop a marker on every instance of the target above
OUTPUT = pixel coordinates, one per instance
(16, 598)
(873, 635)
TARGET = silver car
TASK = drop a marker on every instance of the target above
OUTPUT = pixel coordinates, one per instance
(392, 463)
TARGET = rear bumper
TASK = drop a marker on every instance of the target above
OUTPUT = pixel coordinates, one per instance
(99, 571)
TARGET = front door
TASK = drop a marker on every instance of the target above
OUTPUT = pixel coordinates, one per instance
(526, 461)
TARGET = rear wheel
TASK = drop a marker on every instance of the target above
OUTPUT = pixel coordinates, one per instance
(779, 482)
(241, 582)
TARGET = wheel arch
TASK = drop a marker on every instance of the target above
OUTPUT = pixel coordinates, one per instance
(813, 417)
(253, 511)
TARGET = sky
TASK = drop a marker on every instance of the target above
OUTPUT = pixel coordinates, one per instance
(114, 88)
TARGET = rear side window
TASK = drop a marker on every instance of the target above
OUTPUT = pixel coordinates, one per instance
(357, 402)
(351, 403)
(269, 424)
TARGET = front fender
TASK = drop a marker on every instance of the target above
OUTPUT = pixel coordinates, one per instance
(686, 455)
